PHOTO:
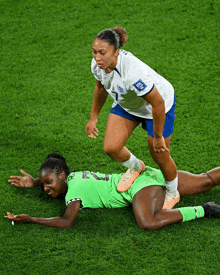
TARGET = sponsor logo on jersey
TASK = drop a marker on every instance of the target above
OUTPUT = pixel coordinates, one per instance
(140, 85)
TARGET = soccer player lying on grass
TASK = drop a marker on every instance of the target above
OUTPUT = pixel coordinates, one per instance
(96, 190)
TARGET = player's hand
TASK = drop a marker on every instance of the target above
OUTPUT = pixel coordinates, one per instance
(18, 218)
(26, 181)
(159, 145)
(91, 129)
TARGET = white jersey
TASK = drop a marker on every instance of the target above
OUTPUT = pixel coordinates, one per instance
(130, 81)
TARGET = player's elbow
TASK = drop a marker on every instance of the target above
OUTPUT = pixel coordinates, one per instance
(66, 223)
(68, 226)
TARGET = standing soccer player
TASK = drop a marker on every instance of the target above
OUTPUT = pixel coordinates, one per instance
(140, 96)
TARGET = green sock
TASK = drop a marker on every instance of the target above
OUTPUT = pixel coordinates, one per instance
(191, 213)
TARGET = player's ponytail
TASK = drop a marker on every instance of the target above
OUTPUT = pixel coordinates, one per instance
(56, 163)
(122, 35)
(116, 36)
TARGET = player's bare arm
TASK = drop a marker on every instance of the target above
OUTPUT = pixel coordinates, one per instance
(158, 110)
(66, 221)
(100, 96)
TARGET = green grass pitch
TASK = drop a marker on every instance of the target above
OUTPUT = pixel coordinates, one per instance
(46, 94)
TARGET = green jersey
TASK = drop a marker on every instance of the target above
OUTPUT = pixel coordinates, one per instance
(97, 190)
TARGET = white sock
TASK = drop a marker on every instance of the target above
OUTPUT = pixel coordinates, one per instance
(171, 187)
(132, 163)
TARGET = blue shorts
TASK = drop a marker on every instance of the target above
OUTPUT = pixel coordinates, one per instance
(147, 124)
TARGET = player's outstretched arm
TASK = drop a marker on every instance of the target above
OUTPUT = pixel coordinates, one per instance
(26, 181)
(66, 221)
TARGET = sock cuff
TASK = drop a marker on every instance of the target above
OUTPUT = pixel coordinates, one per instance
(200, 212)
(132, 162)
(191, 213)
(173, 181)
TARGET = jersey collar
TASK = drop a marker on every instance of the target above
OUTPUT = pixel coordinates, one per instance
(117, 68)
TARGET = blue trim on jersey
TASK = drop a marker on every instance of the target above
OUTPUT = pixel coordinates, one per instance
(117, 71)
(149, 91)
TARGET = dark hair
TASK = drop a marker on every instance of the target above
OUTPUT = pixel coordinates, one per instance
(116, 36)
(56, 163)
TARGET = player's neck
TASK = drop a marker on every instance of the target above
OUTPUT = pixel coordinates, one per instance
(111, 68)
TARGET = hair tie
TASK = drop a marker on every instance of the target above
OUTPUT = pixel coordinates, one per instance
(117, 38)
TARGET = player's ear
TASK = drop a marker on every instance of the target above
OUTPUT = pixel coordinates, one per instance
(117, 52)
(62, 175)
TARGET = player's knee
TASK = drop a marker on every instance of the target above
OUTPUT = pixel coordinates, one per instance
(164, 161)
(208, 182)
(160, 159)
(109, 149)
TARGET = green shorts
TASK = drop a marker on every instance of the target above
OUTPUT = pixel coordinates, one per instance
(149, 177)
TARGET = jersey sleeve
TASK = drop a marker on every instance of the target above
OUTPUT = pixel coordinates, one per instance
(142, 87)
(95, 70)
(73, 194)
(69, 201)
(141, 78)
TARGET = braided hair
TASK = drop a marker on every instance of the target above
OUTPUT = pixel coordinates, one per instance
(56, 163)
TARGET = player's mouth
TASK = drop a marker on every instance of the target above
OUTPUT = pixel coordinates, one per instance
(100, 64)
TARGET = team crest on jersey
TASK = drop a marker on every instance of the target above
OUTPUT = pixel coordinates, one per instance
(140, 85)
(120, 89)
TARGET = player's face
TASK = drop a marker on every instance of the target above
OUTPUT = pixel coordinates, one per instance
(54, 183)
(104, 54)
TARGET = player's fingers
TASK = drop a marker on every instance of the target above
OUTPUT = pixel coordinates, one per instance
(9, 215)
(160, 150)
(15, 177)
(92, 136)
(17, 184)
(166, 149)
(12, 181)
(23, 172)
